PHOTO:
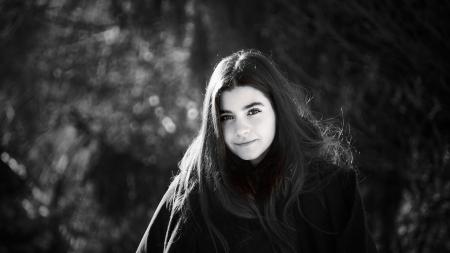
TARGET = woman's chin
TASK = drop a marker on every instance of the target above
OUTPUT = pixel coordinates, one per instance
(247, 157)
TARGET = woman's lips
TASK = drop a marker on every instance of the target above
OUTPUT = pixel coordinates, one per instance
(245, 143)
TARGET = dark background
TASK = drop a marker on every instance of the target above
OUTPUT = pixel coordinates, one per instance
(99, 99)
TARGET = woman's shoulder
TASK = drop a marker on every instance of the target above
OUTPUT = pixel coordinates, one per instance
(329, 195)
(176, 203)
(323, 174)
(336, 207)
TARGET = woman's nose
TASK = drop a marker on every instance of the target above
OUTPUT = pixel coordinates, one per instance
(242, 129)
(242, 132)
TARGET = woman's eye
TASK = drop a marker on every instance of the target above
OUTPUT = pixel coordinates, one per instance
(225, 117)
(254, 111)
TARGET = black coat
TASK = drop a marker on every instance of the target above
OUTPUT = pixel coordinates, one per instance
(333, 220)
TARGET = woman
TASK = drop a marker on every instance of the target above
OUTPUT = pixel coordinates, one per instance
(261, 176)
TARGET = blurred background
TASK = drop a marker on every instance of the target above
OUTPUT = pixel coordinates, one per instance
(99, 99)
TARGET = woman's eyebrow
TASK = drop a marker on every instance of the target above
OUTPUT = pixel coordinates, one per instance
(252, 104)
(245, 107)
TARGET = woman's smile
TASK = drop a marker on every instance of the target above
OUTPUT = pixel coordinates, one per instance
(246, 144)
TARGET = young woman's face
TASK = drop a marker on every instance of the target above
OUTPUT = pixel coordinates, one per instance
(248, 122)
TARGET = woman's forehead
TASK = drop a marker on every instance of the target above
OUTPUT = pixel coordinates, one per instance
(239, 98)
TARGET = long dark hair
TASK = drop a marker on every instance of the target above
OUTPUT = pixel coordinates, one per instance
(300, 139)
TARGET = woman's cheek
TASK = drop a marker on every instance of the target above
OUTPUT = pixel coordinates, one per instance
(227, 134)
